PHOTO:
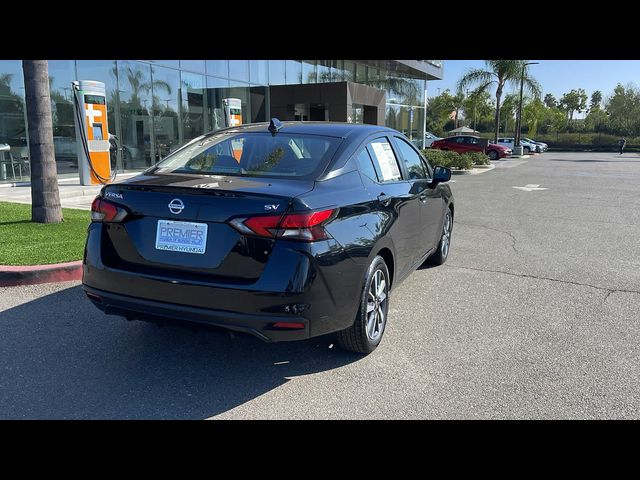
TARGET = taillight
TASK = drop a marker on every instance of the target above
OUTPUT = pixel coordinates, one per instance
(295, 226)
(105, 211)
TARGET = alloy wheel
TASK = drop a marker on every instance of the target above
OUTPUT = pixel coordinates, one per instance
(376, 305)
(446, 235)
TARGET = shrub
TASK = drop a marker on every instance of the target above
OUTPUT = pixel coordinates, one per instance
(463, 162)
(477, 158)
(448, 159)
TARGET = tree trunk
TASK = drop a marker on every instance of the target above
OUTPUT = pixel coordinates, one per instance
(45, 198)
(497, 122)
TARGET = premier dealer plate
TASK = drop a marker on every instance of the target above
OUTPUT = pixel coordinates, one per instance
(184, 237)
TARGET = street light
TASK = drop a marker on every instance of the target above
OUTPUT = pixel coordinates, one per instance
(517, 149)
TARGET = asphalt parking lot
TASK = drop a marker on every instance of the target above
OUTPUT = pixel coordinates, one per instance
(534, 316)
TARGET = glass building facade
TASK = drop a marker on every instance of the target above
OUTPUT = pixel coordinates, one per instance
(154, 106)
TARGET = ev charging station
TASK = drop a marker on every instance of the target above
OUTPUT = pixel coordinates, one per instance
(233, 118)
(92, 132)
(233, 111)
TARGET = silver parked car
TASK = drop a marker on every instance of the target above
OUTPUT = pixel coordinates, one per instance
(509, 142)
(429, 138)
(540, 146)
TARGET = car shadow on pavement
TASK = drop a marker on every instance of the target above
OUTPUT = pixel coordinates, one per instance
(61, 358)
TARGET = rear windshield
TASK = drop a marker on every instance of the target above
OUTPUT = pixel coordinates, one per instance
(252, 154)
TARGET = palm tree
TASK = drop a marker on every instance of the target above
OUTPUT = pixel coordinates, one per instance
(139, 84)
(45, 198)
(500, 72)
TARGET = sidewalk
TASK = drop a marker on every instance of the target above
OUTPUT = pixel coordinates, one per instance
(72, 194)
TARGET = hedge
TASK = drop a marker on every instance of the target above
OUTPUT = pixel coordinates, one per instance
(451, 159)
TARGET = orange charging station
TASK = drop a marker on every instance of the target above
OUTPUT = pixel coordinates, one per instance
(92, 132)
(233, 114)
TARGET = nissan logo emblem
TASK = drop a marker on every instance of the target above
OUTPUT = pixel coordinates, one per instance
(176, 206)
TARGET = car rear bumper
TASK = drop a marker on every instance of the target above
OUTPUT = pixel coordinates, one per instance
(261, 326)
(315, 284)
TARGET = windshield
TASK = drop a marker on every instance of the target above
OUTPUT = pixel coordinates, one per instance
(252, 154)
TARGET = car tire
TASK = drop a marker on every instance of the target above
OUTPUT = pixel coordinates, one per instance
(526, 150)
(368, 328)
(442, 253)
(493, 155)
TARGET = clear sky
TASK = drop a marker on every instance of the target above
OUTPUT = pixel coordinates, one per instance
(556, 76)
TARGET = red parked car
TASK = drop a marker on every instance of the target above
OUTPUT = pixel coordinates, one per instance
(470, 143)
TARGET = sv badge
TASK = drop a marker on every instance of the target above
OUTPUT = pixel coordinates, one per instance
(271, 207)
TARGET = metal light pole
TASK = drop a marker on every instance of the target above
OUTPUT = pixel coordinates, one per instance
(475, 99)
(517, 149)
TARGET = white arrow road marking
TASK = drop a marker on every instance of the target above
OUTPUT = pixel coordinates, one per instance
(530, 187)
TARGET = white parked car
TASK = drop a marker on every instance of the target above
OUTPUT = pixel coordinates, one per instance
(527, 147)
(541, 146)
(429, 138)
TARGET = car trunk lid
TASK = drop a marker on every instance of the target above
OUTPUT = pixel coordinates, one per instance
(195, 202)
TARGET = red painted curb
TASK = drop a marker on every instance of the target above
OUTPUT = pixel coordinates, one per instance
(16, 275)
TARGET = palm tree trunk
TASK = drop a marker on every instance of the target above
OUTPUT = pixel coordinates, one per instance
(497, 121)
(45, 198)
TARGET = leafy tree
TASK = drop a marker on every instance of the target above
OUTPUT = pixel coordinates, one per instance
(457, 103)
(550, 101)
(45, 197)
(624, 109)
(500, 72)
(557, 119)
(477, 107)
(509, 109)
(574, 101)
(533, 114)
(439, 109)
(596, 99)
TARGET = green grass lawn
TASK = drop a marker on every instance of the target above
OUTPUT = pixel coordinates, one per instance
(23, 242)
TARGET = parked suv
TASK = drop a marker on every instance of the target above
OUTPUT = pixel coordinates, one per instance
(471, 143)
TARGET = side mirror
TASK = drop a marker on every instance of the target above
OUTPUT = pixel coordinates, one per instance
(441, 174)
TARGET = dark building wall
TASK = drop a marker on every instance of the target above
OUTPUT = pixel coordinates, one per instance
(338, 97)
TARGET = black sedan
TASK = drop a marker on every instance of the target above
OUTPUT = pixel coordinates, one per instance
(283, 230)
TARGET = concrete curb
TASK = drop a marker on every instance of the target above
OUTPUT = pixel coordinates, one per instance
(17, 275)
(477, 170)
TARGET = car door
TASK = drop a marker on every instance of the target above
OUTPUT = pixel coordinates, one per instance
(472, 144)
(430, 202)
(458, 144)
(398, 207)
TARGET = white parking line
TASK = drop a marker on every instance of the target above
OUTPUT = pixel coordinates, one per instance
(531, 187)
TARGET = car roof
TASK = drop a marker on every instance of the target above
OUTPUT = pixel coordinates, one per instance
(327, 129)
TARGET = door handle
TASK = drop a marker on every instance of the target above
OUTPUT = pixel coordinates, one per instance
(384, 199)
(423, 197)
